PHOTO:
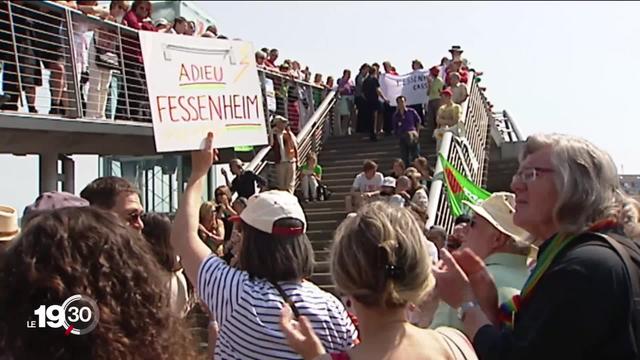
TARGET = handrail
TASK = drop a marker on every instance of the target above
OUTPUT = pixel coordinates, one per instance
(119, 42)
(504, 129)
(277, 73)
(511, 125)
(458, 151)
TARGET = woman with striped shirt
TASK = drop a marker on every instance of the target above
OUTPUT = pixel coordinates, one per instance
(275, 257)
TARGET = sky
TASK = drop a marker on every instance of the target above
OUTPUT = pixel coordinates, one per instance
(554, 66)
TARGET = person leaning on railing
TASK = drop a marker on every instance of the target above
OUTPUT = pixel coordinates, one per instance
(133, 66)
(103, 60)
(26, 72)
(49, 46)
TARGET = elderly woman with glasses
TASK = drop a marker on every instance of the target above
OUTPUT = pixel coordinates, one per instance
(577, 302)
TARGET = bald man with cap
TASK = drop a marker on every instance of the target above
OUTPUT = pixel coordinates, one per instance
(502, 245)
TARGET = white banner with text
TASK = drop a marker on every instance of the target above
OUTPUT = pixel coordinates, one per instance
(200, 85)
(413, 86)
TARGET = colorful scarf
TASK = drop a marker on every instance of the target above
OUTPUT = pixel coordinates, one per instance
(509, 309)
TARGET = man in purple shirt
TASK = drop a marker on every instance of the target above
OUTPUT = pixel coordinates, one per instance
(406, 124)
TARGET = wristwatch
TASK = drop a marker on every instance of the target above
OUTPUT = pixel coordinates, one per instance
(462, 310)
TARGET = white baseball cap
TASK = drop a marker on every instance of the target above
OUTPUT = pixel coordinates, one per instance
(264, 209)
(389, 182)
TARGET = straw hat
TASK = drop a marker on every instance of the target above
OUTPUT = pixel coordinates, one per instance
(498, 210)
(8, 223)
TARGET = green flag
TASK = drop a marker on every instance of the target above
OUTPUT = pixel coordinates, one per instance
(460, 188)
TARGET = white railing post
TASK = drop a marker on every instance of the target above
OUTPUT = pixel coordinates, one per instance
(438, 178)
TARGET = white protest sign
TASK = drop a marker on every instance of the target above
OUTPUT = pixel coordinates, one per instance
(199, 85)
(412, 85)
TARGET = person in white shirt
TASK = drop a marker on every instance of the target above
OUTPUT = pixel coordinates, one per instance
(367, 183)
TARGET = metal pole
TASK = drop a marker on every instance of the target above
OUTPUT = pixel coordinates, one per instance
(68, 172)
(15, 50)
(436, 185)
(170, 193)
(124, 76)
(74, 70)
(180, 178)
(285, 82)
(48, 165)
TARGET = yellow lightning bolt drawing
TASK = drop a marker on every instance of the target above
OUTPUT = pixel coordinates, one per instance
(245, 53)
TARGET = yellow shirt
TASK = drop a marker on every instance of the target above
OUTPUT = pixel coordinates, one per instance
(449, 115)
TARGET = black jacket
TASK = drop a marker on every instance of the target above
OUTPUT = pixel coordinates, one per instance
(578, 310)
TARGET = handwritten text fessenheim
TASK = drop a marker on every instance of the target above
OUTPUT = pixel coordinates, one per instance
(205, 107)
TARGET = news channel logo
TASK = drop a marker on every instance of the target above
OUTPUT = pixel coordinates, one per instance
(78, 315)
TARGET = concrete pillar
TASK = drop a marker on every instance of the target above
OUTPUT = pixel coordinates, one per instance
(68, 173)
(48, 165)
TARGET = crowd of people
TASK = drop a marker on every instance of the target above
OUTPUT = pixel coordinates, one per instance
(549, 270)
(486, 295)
(363, 108)
(105, 64)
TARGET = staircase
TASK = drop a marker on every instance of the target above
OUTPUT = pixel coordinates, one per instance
(341, 160)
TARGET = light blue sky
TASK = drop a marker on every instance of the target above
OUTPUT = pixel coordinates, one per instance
(564, 67)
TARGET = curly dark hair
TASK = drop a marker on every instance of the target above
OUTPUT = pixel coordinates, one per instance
(90, 252)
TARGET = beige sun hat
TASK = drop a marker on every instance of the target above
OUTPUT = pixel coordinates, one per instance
(498, 210)
(8, 223)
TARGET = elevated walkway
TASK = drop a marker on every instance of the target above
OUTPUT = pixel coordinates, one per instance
(112, 121)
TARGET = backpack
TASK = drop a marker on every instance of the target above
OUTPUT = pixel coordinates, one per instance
(629, 251)
(323, 192)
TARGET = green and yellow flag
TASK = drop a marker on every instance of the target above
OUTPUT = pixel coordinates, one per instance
(460, 188)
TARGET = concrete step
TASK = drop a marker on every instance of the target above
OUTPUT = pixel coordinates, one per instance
(338, 182)
(320, 235)
(322, 245)
(321, 267)
(322, 255)
(331, 225)
(334, 215)
(342, 175)
(322, 279)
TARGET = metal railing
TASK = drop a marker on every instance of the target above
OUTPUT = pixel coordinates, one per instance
(468, 154)
(94, 68)
(504, 129)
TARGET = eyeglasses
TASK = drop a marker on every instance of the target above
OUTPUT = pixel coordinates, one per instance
(530, 174)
